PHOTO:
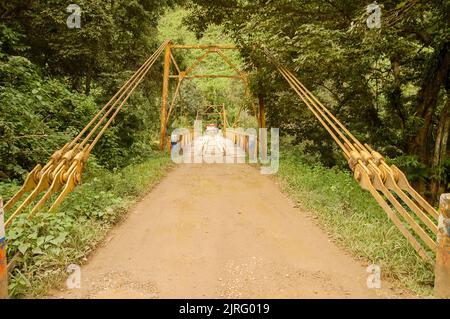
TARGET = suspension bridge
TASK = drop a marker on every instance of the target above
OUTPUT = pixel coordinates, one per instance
(426, 229)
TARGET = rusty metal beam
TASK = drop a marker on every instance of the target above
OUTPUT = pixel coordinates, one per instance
(442, 267)
(165, 97)
(175, 63)
(196, 63)
(3, 262)
(174, 99)
(227, 61)
(204, 47)
(206, 76)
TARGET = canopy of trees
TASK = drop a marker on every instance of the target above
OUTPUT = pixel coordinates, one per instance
(53, 79)
(197, 94)
(390, 85)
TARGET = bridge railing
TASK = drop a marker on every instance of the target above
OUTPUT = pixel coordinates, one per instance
(426, 230)
(239, 138)
(185, 138)
(246, 140)
(63, 171)
(3, 260)
(442, 266)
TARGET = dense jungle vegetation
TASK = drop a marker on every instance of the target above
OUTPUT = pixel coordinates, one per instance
(53, 80)
(390, 87)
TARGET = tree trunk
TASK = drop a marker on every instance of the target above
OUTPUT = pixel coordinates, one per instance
(395, 96)
(261, 111)
(436, 76)
(87, 89)
(440, 149)
(76, 83)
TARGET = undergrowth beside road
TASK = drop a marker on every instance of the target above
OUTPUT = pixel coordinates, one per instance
(50, 242)
(354, 220)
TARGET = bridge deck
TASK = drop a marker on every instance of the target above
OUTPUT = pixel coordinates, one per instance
(211, 231)
(214, 149)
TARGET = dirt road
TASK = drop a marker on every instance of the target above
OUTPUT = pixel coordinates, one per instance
(220, 231)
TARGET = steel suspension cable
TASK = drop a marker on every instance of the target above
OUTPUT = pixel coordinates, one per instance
(316, 114)
(63, 170)
(312, 104)
(371, 170)
(339, 123)
(139, 74)
(124, 87)
(135, 85)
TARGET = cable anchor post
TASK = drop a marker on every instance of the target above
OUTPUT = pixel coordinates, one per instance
(442, 267)
(3, 261)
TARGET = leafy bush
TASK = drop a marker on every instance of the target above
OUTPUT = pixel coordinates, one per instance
(49, 242)
(355, 221)
(39, 115)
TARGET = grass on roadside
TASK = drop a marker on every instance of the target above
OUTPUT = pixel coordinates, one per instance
(355, 221)
(48, 243)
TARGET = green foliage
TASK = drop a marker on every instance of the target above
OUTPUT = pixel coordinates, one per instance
(114, 35)
(39, 115)
(52, 81)
(386, 85)
(44, 64)
(354, 220)
(134, 135)
(412, 166)
(197, 94)
(51, 241)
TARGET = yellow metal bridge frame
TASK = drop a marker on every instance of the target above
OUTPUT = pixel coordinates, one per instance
(427, 230)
